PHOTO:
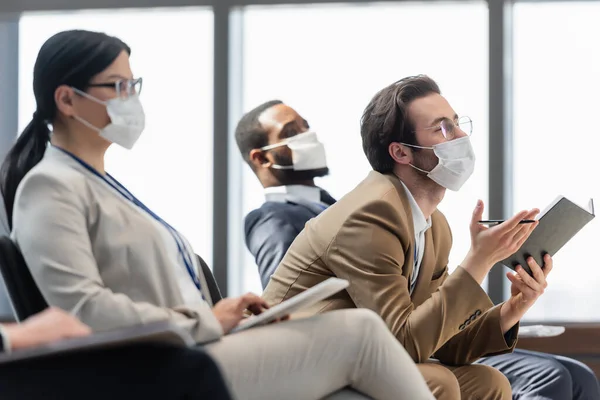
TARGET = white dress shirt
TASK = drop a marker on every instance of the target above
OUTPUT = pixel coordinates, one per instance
(421, 225)
(307, 193)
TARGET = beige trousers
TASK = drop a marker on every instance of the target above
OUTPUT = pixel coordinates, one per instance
(469, 382)
(312, 358)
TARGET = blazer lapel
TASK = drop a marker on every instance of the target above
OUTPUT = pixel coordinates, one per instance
(421, 291)
(409, 255)
(327, 198)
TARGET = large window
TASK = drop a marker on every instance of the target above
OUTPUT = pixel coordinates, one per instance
(556, 140)
(328, 61)
(170, 169)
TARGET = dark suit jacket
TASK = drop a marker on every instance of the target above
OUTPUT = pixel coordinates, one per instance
(271, 229)
(367, 237)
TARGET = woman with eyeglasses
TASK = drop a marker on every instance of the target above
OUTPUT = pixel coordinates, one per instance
(97, 251)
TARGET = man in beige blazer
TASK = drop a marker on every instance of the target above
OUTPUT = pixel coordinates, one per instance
(389, 240)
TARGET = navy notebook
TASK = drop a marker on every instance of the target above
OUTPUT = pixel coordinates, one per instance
(559, 222)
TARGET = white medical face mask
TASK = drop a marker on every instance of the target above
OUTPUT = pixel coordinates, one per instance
(456, 162)
(307, 152)
(127, 119)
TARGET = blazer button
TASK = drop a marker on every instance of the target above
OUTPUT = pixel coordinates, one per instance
(467, 322)
(477, 313)
(472, 318)
(460, 328)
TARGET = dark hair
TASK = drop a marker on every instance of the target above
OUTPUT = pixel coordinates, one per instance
(249, 133)
(385, 120)
(70, 58)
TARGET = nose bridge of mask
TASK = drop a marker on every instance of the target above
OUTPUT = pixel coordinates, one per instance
(305, 137)
(448, 150)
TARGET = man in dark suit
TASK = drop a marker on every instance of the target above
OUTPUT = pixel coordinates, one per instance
(286, 156)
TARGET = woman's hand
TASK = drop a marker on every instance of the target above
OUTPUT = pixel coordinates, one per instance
(230, 311)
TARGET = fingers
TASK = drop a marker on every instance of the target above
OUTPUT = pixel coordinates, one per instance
(520, 285)
(526, 235)
(519, 233)
(255, 309)
(548, 264)
(512, 223)
(252, 302)
(537, 272)
(75, 327)
(80, 330)
(477, 214)
(251, 298)
(529, 280)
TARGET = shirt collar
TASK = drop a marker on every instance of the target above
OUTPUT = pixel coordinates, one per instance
(308, 193)
(420, 223)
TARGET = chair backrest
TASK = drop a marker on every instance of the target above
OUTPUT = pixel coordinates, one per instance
(24, 294)
(213, 288)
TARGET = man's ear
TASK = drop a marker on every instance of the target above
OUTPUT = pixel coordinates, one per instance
(63, 97)
(259, 159)
(400, 154)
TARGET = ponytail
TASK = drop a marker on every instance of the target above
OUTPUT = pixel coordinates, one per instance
(27, 151)
(69, 58)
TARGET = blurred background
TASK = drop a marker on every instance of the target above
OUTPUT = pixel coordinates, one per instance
(526, 72)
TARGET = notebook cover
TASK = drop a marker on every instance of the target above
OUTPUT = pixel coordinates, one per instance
(558, 224)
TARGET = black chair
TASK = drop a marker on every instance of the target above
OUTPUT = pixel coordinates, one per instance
(24, 294)
(213, 288)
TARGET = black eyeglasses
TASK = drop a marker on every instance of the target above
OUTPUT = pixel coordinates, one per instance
(124, 87)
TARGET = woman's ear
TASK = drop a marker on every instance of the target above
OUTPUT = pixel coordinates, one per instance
(63, 97)
(401, 154)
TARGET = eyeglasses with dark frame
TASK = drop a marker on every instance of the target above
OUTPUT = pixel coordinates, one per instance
(124, 87)
(448, 127)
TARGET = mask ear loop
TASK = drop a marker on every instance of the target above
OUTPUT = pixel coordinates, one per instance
(417, 147)
(419, 169)
(286, 142)
(274, 146)
(92, 98)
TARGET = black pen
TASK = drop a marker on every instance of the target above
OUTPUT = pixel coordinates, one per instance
(499, 221)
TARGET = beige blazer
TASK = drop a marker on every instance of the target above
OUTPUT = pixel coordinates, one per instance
(91, 252)
(367, 237)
